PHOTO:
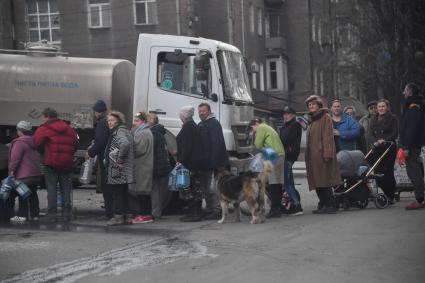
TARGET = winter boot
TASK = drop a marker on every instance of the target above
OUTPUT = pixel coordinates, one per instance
(195, 212)
(116, 220)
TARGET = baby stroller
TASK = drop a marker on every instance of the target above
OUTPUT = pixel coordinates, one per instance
(357, 188)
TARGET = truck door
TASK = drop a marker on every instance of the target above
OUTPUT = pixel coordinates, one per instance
(176, 80)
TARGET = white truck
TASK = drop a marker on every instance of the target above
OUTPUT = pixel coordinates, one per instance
(170, 72)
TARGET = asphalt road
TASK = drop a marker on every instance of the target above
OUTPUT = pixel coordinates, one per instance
(370, 245)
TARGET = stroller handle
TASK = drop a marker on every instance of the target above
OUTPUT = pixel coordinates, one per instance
(387, 143)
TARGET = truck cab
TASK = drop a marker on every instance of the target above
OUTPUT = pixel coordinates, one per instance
(176, 71)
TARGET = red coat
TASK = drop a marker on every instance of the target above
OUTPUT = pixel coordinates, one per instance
(58, 142)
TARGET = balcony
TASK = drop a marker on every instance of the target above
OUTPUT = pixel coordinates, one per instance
(277, 43)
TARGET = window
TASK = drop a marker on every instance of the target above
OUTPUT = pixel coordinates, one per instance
(267, 25)
(145, 12)
(260, 21)
(254, 71)
(43, 20)
(313, 28)
(99, 13)
(251, 19)
(261, 77)
(277, 74)
(274, 22)
(181, 73)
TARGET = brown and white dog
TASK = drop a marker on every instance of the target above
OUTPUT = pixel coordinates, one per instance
(249, 187)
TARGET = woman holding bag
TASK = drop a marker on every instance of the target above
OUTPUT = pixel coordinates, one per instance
(24, 165)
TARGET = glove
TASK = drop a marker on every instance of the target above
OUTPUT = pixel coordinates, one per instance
(401, 157)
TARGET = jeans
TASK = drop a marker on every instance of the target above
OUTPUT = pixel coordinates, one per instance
(414, 171)
(289, 185)
(208, 191)
(52, 177)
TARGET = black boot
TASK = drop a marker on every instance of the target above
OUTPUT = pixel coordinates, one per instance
(195, 212)
(275, 195)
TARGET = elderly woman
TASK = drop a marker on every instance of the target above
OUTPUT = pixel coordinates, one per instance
(24, 165)
(161, 165)
(119, 165)
(383, 133)
(190, 154)
(140, 191)
(320, 158)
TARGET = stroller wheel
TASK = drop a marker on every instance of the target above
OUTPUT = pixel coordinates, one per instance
(362, 204)
(381, 201)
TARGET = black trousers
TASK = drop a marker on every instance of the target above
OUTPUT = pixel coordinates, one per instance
(275, 194)
(326, 197)
(386, 167)
(107, 191)
(140, 204)
(120, 199)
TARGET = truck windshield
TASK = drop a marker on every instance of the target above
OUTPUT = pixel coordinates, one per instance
(234, 77)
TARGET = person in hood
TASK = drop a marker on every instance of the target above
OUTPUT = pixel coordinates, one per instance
(161, 166)
(217, 158)
(24, 165)
(57, 141)
(412, 138)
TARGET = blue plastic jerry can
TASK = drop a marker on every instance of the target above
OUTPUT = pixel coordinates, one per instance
(270, 154)
(183, 178)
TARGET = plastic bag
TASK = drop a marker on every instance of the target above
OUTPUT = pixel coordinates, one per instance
(172, 180)
(86, 172)
(257, 163)
(270, 154)
(401, 157)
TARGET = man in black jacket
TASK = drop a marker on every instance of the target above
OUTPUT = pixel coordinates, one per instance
(97, 148)
(290, 134)
(412, 138)
(213, 140)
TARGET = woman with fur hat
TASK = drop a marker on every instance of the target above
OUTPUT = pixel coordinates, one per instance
(320, 157)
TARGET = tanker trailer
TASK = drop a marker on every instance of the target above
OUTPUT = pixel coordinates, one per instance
(30, 83)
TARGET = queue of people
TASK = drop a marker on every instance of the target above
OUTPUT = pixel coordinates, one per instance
(134, 165)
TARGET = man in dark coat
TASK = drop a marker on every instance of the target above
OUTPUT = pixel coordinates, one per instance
(58, 142)
(97, 148)
(411, 140)
(213, 140)
(290, 135)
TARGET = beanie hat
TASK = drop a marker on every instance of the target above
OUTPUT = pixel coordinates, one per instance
(99, 106)
(24, 126)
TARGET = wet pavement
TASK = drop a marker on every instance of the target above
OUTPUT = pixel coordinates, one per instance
(370, 245)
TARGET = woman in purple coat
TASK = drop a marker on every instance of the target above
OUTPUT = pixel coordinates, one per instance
(24, 165)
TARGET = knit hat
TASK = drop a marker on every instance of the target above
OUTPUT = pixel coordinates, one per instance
(24, 126)
(289, 110)
(315, 98)
(99, 106)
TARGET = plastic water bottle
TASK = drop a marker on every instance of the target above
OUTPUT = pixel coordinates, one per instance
(58, 196)
(183, 178)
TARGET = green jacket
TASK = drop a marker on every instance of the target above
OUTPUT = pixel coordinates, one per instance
(266, 136)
